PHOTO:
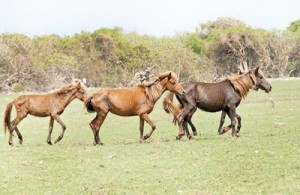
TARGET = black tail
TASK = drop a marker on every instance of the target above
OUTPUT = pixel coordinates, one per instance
(89, 105)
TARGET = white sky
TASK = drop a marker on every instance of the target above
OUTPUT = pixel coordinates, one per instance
(151, 17)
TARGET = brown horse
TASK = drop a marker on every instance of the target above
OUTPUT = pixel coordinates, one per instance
(135, 101)
(224, 96)
(51, 104)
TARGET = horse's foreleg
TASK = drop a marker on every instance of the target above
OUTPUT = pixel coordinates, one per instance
(149, 121)
(238, 117)
(233, 122)
(225, 129)
(50, 130)
(63, 126)
(142, 121)
(222, 120)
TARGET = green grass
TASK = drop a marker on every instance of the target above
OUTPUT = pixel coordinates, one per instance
(264, 160)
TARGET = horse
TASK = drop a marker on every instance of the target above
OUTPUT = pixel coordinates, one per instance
(51, 104)
(134, 101)
(224, 96)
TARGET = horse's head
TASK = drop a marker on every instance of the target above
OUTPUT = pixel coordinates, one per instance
(171, 82)
(81, 93)
(261, 82)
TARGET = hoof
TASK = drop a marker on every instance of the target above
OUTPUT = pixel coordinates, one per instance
(97, 143)
(10, 143)
(195, 133)
(146, 137)
(235, 134)
(49, 142)
(20, 141)
(190, 137)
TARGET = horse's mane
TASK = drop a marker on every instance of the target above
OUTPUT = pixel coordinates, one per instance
(242, 82)
(65, 89)
(153, 88)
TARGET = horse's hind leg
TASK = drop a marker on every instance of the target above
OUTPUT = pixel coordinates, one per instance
(189, 120)
(185, 127)
(19, 135)
(181, 131)
(149, 121)
(142, 122)
(50, 130)
(96, 125)
(13, 127)
(63, 126)
(181, 118)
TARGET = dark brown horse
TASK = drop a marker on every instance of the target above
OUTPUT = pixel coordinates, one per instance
(51, 104)
(135, 101)
(224, 96)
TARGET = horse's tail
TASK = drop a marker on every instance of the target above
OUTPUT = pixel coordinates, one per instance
(170, 107)
(7, 113)
(89, 105)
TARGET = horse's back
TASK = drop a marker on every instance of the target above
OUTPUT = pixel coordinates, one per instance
(123, 102)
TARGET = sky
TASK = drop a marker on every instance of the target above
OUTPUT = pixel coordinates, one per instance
(151, 17)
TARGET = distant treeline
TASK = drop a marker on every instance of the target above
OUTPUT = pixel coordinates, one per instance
(111, 57)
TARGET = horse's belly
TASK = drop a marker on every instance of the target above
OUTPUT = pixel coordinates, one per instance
(208, 107)
(123, 111)
(39, 114)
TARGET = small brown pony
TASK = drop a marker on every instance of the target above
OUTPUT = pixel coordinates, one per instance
(51, 104)
(135, 101)
(224, 96)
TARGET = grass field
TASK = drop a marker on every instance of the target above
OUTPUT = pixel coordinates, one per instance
(265, 159)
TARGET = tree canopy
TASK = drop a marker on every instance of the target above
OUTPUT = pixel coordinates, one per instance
(111, 56)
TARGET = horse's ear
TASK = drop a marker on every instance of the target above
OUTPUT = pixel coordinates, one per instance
(170, 76)
(78, 85)
(256, 70)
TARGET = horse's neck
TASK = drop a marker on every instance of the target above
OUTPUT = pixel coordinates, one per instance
(243, 85)
(67, 98)
(155, 91)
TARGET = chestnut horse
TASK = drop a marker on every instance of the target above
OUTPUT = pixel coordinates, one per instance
(224, 96)
(51, 104)
(135, 101)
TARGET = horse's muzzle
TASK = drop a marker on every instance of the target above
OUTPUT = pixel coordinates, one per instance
(268, 90)
(182, 93)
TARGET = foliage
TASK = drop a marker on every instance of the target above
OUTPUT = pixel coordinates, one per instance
(294, 26)
(110, 56)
